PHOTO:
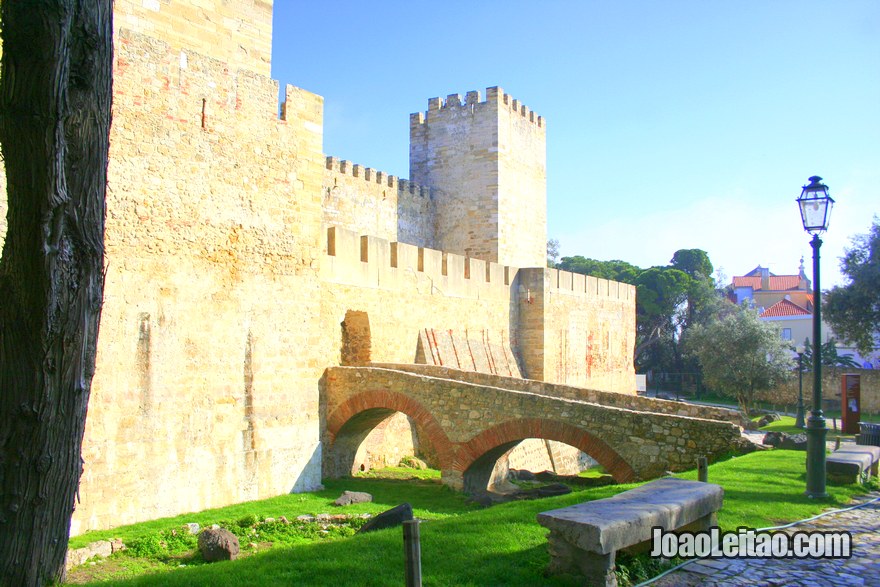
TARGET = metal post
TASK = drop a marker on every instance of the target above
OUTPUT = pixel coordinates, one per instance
(816, 429)
(412, 550)
(799, 420)
(702, 469)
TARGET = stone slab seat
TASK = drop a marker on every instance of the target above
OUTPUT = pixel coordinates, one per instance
(849, 464)
(585, 537)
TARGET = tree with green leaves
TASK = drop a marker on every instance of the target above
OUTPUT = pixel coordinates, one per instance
(694, 262)
(830, 357)
(552, 252)
(740, 355)
(661, 293)
(668, 301)
(55, 95)
(853, 310)
(614, 270)
(701, 290)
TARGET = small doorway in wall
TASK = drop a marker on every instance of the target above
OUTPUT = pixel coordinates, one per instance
(355, 339)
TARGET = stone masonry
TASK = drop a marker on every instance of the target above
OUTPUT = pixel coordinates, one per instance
(236, 249)
(471, 425)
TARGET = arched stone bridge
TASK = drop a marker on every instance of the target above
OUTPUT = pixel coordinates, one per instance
(471, 419)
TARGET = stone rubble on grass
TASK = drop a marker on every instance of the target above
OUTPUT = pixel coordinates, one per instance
(786, 441)
(104, 548)
(767, 419)
(79, 556)
(218, 545)
(413, 463)
(350, 497)
(389, 518)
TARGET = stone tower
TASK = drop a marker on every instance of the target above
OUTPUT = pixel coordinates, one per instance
(486, 162)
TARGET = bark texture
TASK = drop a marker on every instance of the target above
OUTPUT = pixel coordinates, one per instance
(55, 96)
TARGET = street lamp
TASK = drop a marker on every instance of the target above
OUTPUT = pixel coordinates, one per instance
(815, 205)
(799, 420)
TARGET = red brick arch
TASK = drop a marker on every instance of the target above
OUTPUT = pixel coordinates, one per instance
(514, 430)
(398, 402)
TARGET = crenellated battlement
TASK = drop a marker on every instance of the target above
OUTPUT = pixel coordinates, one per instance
(486, 159)
(374, 257)
(368, 174)
(565, 281)
(495, 97)
(369, 261)
(236, 245)
(187, 88)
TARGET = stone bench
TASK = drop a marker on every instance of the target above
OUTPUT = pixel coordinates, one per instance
(852, 464)
(584, 538)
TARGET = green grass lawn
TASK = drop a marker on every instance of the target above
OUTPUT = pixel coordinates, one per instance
(768, 406)
(429, 499)
(596, 471)
(461, 544)
(786, 424)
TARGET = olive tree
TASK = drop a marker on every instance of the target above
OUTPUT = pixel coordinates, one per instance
(740, 354)
(853, 309)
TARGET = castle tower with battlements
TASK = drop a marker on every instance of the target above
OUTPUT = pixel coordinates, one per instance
(243, 261)
(487, 162)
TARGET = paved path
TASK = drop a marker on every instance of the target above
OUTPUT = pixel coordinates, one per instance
(861, 570)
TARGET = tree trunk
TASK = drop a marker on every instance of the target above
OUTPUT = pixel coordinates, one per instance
(55, 95)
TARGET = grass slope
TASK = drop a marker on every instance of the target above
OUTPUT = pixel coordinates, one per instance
(461, 546)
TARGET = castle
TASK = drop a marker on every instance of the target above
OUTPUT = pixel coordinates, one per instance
(242, 261)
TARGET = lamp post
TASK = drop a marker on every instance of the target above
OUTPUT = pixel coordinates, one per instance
(799, 420)
(815, 205)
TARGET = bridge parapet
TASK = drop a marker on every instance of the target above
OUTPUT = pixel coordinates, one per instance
(605, 398)
(470, 425)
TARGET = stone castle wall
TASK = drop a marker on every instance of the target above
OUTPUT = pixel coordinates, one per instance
(486, 160)
(787, 393)
(212, 278)
(522, 208)
(238, 33)
(577, 329)
(372, 202)
(227, 287)
(405, 289)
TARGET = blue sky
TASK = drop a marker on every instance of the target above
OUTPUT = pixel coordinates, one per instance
(670, 125)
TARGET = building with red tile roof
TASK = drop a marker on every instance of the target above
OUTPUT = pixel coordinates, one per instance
(766, 289)
(785, 308)
(787, 302)
(783, 299)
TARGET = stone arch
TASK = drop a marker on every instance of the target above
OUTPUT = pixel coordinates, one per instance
(476, 457)
(356, 339)
(350, 423)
